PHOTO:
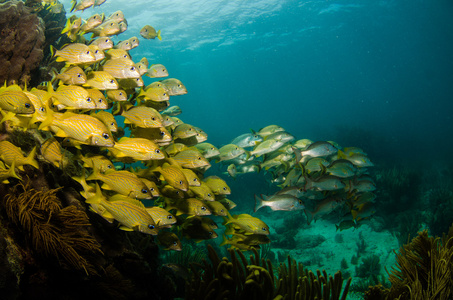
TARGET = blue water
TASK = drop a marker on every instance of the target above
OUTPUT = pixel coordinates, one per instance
(316, 68)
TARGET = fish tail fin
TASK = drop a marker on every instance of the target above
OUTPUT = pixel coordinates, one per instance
(30, 159)
(53, 51)
(67, 27)
(97, 197)
(159, 36)
(73, 5)
(54, 73)
(337, 227)
(258, 203)
(12, 171)
(225, 240)
(48, 120)
(95, 175)
(310, 216)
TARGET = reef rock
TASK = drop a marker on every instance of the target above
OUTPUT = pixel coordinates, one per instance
(22, 39)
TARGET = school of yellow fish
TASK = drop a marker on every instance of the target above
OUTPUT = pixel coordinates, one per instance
(99, 85)
(321, 178)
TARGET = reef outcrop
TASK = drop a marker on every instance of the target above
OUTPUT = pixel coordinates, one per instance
(22, 39)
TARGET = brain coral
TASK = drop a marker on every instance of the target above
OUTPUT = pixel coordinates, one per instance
(22, 39)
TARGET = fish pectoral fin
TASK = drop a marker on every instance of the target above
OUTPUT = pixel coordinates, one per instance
(61, 133)
(105, 186)
(125, 228)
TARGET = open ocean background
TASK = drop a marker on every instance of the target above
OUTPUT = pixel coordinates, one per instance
(371, 74)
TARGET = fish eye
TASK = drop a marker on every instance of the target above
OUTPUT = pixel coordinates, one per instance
(199, 157)
(151, 189)
(133, 69)
(96, 52)
(212, 148)
(79, 75)
(121, 94)
(112, 81)
(169, 217)
(89, 99)
(175, 243)
(144, 191)
(109, 166)
(42, 109)
(179, 85)
(107, 40)
(165, 94)
(157, 150)
(27, 105)
(210, 232)
(151, 226)
(111, 24)
(195, 179)
(180, 182)
(264, 229)
(209, 194)
(221, 210)
(163, 70)
(190, 129)
(203, 208)
(105, 136)
(152, 118)
(224, 188)
(162, 133)
(112, 124)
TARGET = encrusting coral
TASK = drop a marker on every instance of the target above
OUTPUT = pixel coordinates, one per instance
(52, 230)
(240, 279)
(22, 40)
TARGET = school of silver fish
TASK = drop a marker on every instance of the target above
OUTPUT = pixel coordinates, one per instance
(322, 178)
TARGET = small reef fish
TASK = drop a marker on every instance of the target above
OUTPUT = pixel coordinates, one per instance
(16, 102)
(121, 68)
(157, 71)
(169, 241)
(189, 206)
(279, 202)
(117, 95)
(247, 140)
(174, 86)
(9, 154)
(103, 43)
(72, 75)
(130, 213)
(249, 224)
(217, 185)
(142, 116)
(148, 32)
(161, 216)
(122, 182)
(73, 54)
(174, 176)
(107, 118)
(101, 80)
(136, 148)
(194, 228)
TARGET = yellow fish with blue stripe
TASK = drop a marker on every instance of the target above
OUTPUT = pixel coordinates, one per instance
(83, 128)
(9, 154)
(143, 116)
(16, 101)
(122, 182)
(136, 148)
(71, 97)
(130, 213)
(101, 80)
(73, 54)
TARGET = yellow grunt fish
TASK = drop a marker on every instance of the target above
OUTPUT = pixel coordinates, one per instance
(101, 80)
(9, 154)
(117, 95)
(51, 151)
(174, 86)
(121, 68)
(137, 148)
(191, 159)
(71, 97)
(142, 116)
(103, 43)
(130, 213)
(174, 176)
(190, 206)
(98, 98)
(73, 54)
(217, 185)
(161, 216)
(157, 71)
(16, 102)
(134, 41)
(122, 182)
(169, 241)
(72, 75)
(99, 162)
(148, 32)
(154, 94)
(83, 128)
(107, 118)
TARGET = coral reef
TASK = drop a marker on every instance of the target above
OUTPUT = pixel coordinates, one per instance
(255, 279)
(22, 36)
